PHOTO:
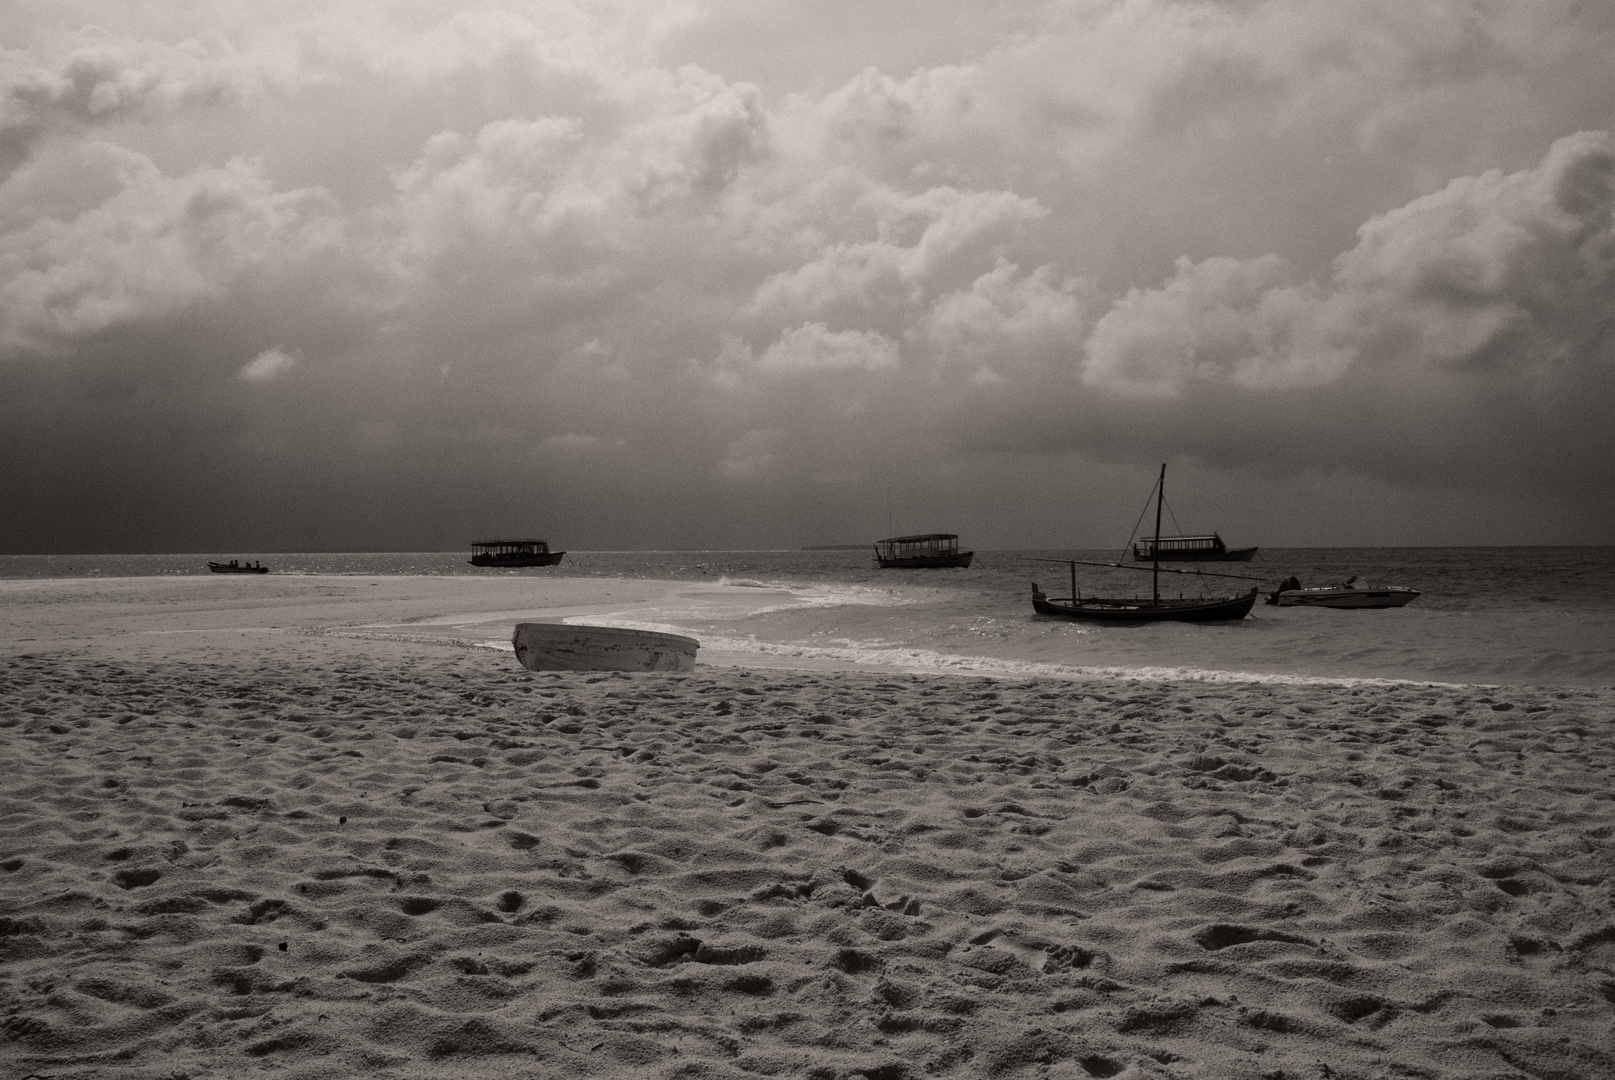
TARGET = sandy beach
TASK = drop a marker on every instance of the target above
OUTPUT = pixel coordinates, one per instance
(317, 826)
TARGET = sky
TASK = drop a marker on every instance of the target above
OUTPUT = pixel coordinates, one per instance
(337, 275)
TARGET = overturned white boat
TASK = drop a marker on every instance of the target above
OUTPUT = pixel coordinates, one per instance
(1348, 594)
(559, 647)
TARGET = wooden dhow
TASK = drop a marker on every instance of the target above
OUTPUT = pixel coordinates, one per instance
(1156, 608)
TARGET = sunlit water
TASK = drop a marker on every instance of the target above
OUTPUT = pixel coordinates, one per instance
(1487, 615)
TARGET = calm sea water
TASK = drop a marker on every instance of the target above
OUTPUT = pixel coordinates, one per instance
(1487, 615)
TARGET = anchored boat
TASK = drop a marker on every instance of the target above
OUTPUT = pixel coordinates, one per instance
(924, 551)
(234, 567)
(1208, 548)
(1155, 608)
(514, 553)
(1348, 594)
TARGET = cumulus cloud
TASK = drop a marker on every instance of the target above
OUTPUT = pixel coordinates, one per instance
(269, 365)
(949, 233)
(1495, 269)
(1219, 319)
(151, 250)
(103, 80)
(812, 347)
(1006, 314)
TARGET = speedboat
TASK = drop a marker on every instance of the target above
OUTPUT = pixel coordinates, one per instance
(1348, 594)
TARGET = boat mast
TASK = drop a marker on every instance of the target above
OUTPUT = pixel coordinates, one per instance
(1155, 548)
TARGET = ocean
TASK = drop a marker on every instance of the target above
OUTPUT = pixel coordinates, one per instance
(1515, 616)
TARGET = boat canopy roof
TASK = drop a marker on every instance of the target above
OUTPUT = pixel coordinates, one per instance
(1211, 540)
(533, 545)
(919, 546)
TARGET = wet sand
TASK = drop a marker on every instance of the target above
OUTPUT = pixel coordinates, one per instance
(318, 829)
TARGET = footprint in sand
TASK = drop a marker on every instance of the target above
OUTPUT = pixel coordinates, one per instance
(1040, 955)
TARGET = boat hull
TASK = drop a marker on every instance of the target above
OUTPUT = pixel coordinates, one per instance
(548, 558)
(226, 568)
(559, 647)
(1228, 555)
(1394, 596)
(1217, 609)
(927, 562)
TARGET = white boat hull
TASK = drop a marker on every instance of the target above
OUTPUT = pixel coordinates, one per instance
(1341, 597)
(559, 647)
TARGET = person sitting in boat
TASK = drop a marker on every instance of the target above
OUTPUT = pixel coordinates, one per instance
(1291, 582)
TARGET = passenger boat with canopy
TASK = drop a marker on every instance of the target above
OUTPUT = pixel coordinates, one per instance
(1207, 548)
(514, 553)
(925, 551)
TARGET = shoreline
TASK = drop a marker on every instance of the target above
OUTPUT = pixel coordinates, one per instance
(173, 616)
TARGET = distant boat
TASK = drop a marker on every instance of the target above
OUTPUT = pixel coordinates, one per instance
(514, 553)
(1208, 548)
(559, 647)
(1348, 594)
(924, 551)
(1139, 609)
(233, 567)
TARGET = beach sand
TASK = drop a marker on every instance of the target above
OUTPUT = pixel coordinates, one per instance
(310, 826)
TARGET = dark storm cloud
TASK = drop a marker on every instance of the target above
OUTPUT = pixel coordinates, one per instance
(413, 274)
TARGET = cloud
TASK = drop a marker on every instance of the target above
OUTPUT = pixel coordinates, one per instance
(1496, 268)
(269, 365)
(951, 230)
(1220, 319)
(153, 249)
(578, 443)
(812, 347)
(1361, 237)
(104, 80)
(1005, 315)
(750, 457)
(1491, 270)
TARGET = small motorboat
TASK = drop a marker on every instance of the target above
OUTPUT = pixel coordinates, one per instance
(1348, 594)
(235, 567)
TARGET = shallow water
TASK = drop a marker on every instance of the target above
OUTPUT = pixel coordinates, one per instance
(1487, 615)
